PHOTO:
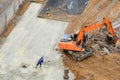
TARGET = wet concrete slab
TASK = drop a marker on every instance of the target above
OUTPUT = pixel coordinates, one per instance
(32, 38)
(63, 8)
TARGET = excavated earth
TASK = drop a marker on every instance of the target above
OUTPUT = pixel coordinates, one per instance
(97, 67)
(94, 11)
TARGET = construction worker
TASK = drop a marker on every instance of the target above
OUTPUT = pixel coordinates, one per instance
(39, 63)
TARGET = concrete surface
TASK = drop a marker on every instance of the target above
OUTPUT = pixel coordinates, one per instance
(64, 6)
(32, 38)
(76, 6)
(8, 8)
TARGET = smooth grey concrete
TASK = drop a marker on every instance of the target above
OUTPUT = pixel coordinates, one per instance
(32, 38)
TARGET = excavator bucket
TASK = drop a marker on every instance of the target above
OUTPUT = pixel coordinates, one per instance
(62, 8)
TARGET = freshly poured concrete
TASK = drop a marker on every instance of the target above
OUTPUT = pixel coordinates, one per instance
(32, 38)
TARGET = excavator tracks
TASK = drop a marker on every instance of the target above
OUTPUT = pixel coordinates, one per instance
(79, 56)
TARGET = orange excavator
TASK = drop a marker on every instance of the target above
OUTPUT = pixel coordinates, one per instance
(75, 44)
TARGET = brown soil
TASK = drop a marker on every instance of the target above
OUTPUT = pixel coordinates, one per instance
(38, 1)
(95, 10)
(96, 67)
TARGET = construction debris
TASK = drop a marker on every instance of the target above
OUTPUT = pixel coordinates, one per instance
(118, 44)
(96, 47)
(106, 50)
(24, 65)
(101, 41)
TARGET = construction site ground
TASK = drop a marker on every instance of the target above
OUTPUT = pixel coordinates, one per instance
(13, 21)
(94, 11)
(32, 38)
(62, 9)
(96, 67)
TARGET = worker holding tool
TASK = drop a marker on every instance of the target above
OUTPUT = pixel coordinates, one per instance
(39, 63)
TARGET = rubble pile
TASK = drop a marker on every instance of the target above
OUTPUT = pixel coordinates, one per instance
(99, 44)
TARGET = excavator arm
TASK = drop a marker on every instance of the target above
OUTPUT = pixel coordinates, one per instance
(105, 22)
(81, 33)
(109, 27)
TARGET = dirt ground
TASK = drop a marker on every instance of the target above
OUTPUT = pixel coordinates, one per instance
(38, 1)
(96, 67)
(94, 11)
(13, 21)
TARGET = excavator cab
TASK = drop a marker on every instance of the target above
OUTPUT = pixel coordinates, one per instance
(68, 37)
(65, 38)
(76, 55)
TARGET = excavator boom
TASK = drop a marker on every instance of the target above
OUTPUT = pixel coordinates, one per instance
(95, 26)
